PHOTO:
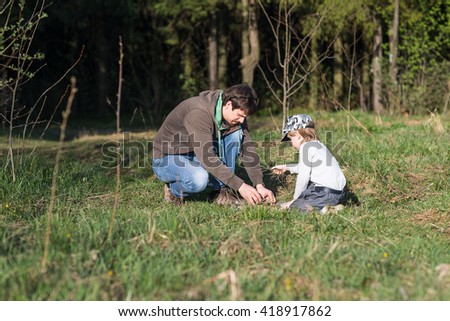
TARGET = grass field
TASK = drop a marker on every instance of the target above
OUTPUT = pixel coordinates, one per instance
(394, 246)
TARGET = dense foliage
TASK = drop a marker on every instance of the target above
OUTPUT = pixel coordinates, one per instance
(167, 56)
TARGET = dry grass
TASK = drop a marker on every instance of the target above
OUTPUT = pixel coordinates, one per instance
(435, 122)
(434, 218)
(137, 136)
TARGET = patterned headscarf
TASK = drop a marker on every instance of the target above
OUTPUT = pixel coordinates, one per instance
(295, 122)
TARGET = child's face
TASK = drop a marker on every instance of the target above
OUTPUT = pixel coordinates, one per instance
(296, 141)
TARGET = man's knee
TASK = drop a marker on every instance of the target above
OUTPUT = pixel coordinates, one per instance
(197, 181)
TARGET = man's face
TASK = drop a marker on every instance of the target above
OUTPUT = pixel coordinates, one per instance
(233, 117)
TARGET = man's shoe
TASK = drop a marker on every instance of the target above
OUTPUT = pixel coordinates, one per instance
(169, 197)
(224, 196)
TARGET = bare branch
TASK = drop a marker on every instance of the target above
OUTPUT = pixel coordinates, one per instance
(60, 79)
(270, 86)
(119, 97)
(54, 111)
(62, 136)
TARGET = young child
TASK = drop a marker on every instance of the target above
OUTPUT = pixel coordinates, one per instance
(320, 181)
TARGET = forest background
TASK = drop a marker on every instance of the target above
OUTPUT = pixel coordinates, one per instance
(381, 56)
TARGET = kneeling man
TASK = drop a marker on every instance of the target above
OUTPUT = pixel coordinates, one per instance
(204, 135)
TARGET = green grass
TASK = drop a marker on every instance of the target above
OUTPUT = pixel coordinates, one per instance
(391, 247)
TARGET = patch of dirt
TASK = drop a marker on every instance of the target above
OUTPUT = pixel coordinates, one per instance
(122, 137)
(365, 187)
(413, 122)
(435, 218)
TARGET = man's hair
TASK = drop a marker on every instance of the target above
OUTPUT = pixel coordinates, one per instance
(308, 133)
(242, 96)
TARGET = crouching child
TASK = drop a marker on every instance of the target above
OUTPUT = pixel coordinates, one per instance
(321, 184)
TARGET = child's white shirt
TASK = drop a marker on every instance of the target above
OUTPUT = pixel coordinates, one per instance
(318, 165)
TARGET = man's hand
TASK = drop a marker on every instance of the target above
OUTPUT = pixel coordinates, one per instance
(250, 194)
(266, 194)
(279, 169)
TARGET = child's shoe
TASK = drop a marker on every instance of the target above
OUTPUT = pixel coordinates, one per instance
(328, 209)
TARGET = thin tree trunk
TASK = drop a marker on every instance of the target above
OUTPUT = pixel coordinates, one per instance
(223, 63)
(212, 48)
(361, 95)
(365, 81)
(119, 158)
(222, 68)
(393, 67)
(250, 41)
(361, 88)
(314, 78)
(376, 67)
(286, 58)
(102, 71)
(187, 62)
(62, 136)
(338, 76)
(4, 97)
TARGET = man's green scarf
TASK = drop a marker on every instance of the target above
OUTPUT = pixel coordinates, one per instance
(218, 117)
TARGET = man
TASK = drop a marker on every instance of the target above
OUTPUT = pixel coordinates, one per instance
(204, 135)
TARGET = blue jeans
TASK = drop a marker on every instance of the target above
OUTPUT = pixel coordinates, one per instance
(186, 176)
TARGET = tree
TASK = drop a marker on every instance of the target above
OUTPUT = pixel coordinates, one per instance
(17, 60)
(213, 67)
(338, 72)
(292, 47)
(348, 22)
(424, 48)
(393, 56)
(174, 49)
(377, 56)
(250, 41)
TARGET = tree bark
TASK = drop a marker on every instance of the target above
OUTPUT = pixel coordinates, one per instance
(187, 61)
(393, 67)
(338, 76)
(363, 82)
(212, 49)
(102, 53)
(377, 81)
(223, 61)
(314, 78)
(222, 51)
(250, 41)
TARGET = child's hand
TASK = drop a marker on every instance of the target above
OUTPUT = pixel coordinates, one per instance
(285, 205)
(279, 169)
